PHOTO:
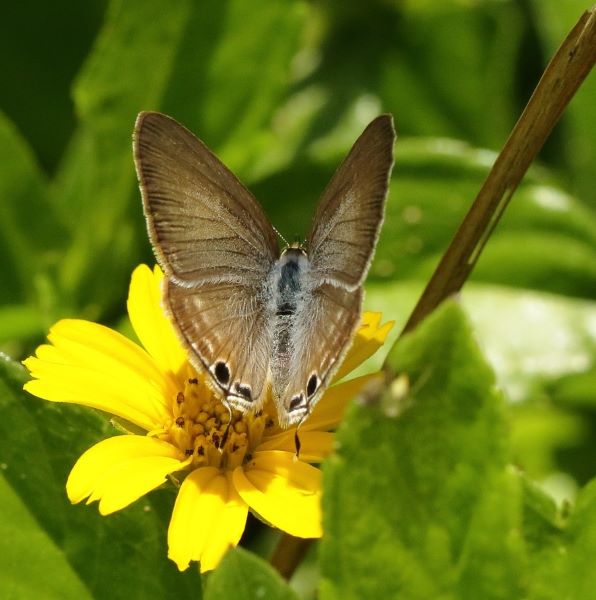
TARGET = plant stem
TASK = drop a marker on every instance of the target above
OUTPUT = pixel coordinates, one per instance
(563, 76)
(288, 554)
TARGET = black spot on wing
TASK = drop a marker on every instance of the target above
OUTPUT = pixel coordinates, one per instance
(222, 372)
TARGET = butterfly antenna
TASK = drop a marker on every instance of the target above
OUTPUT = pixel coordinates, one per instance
(283, 239)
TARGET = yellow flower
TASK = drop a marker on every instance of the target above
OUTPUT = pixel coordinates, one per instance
(181, 426)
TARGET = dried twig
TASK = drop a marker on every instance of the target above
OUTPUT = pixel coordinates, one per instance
(561, 79)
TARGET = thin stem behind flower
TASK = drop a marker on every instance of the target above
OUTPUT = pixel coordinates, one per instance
(562, 78)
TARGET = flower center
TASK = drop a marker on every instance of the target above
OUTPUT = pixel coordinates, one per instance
(204, 428)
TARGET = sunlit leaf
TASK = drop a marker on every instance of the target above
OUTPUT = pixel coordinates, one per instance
(121, 556)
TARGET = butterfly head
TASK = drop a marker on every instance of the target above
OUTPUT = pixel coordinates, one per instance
(293, 250)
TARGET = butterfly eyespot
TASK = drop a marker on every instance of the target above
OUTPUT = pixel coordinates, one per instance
(222, 372)
(296, 401)
(312, 385)
(243, 390)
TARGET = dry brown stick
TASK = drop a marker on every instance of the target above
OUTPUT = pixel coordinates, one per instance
(288, 554)
(561, 79)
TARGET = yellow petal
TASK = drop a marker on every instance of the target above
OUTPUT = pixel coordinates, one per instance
(119, 470)
(284, 491)
(92, 365)
(231, 526)
(314, 445)
(368, 339)
(328, 413)
(148, 318)
(208, 518)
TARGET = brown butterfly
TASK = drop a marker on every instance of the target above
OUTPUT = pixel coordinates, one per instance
(255, 318)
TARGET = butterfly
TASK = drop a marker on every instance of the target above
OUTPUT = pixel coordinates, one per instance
(259, 320)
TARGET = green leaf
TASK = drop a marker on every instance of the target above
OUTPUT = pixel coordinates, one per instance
(541, 346)
(549, 262)
(545, 241)
(120, 556)
(561, 558)
(127, 72)
(360, 62)
(232, 72)
(25, 547)
(579, 576)
(29, 230)
(553, 20)
(243, 576)
(576, 389)
(42, 47)
(19, 321)
(417, 500)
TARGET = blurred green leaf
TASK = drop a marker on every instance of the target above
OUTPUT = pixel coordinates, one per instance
(553, 20)
(243, 576)
(467, 53)
(25, 546)
(29, 230)
(119, 556)
(532, 339)
(42, 46)
(541, 261)
(576, 389)
(539, 433)
(232, 72)
(20, 321)
(127, 72)
(545, 241)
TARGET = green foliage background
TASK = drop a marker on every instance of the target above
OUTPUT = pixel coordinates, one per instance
(467, 492)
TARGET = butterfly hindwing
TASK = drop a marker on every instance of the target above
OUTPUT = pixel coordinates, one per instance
(226, 327)
(324, 326)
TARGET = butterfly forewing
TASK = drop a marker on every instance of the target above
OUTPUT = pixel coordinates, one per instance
(205, 226)
(350, 214)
